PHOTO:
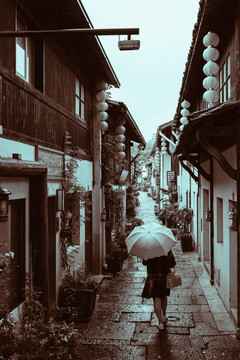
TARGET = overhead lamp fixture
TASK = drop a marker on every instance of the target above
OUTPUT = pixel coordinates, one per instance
(4, 198)
(128, 44)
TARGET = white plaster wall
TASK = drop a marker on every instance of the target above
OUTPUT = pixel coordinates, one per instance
(225, 188)
(9, 147)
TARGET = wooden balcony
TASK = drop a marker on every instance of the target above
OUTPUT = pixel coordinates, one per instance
(28, 115)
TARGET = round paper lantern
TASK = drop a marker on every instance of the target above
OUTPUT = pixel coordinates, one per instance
(181, 127)
(120, 129)
(120, 155)
(164, 148)
(185, 104)
(185, 112)
(210, 54)
(101, 95)
(211, 96)
(120, 146)
(164, 152)
(102, 106)
(210, 68)
(163, 143)
(102, 85)
(210, 82)
(120, 138)
(102, 115)
(103, 125)
(211, 39)
(184, 120)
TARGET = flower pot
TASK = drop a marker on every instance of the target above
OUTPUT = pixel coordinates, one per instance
(114, 265)
(187, 242)
(82, 299)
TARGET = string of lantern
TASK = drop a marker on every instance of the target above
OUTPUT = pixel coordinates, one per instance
(120, 138)
(211, 68)
(185, 113)
(163, 146)
(101, 105)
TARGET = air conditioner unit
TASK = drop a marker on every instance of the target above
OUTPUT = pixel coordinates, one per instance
(129, 44)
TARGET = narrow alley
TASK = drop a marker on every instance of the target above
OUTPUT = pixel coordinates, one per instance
(123, 325)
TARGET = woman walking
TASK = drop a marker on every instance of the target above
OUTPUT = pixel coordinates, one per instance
(155, 285)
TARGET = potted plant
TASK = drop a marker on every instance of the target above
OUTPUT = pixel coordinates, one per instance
(185, 216)
(114, 260)
(78, 293)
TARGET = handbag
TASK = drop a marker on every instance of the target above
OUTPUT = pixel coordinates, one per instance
(173, 280)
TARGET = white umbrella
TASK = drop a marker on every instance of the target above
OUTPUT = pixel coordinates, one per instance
(150, 241)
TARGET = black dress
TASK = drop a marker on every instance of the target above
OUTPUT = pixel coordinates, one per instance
(157, 269)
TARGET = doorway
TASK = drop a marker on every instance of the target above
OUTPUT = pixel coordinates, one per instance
(52, 251)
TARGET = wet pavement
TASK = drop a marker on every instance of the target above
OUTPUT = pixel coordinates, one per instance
(123, 325)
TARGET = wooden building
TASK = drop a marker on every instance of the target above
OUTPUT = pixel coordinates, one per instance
(47, 115)
(209, 142)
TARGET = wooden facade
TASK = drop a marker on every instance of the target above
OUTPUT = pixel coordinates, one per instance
(209, 143)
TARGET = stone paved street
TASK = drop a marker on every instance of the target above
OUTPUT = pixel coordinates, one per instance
(123, 325)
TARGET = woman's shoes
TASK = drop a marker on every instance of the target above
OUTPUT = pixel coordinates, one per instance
(164, 319)
(160, 326)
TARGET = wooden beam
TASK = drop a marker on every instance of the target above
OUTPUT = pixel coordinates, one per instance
(219, 131)
(191, 173)
(196, 164)
(217, 155)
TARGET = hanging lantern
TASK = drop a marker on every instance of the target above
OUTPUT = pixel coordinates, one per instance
(210, 82)
(164, 148)
(210, 68)
(211, 96)
(102, 115)
(102, 106)
(184, 112)
(211, 39)
(164, 152)
(101, 85)
(120, 146)
(120, 138)
(181, 127)
(120, 155)
(103, 125)
(4, 198)
(101, 95)
(120, 130)
(184, 120)
(185, 104)
(210, 54)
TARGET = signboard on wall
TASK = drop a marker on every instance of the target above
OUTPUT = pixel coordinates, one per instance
(171, 177)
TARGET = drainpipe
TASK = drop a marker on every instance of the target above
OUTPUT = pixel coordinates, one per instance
(211, 223)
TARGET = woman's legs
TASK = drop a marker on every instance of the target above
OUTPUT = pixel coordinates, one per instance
(164, 305)
(158, 308)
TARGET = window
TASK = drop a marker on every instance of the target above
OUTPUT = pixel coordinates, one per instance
(24, 53)
(80, 100)
(29, 54)
(225, 81)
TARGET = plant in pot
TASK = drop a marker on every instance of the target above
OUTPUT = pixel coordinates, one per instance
(77, 296)
(185, 216)
(114, 259)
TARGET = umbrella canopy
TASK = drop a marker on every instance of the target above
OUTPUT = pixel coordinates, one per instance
(150, 241)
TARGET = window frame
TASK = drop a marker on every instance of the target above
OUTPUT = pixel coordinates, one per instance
(80, 100)
(225, 80)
